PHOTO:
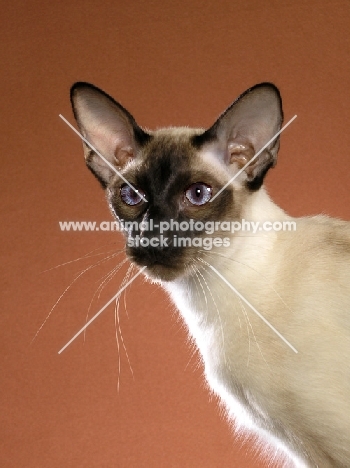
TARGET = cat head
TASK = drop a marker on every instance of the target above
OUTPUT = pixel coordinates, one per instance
(162, 184)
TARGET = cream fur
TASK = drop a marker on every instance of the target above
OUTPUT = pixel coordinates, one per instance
(299, 281)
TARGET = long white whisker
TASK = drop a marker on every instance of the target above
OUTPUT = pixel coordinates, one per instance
(212, 275)
(118, 322)
(193, 268)
(108, 277)
(218, 312)
(124, 298)
(252, 307)
(204, 293)
(88, 255)
(102, 309)
(248, 325)
(65, 291)
(245, 315)
(116, 313)
(105, 280)
(254, 336)
(118, 332)
(195, 279)
(253, 269)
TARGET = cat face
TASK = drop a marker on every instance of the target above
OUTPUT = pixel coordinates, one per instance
(178, 187)
(167, 179)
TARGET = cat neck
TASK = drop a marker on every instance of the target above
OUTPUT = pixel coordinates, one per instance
(260, 207)
(251, 247)
(251, 265)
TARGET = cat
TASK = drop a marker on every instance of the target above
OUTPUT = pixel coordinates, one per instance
(163, 186)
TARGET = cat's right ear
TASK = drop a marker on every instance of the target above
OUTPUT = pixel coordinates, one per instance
(108, 127)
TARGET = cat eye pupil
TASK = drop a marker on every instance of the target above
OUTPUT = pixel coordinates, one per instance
(198, 193)
(129, 196)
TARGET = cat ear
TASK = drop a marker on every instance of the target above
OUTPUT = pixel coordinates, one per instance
(108, 127)
(245, 127)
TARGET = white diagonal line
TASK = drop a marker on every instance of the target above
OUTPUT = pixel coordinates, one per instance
(254, 157)
(253, 308)
(101, 310)
(102, 157)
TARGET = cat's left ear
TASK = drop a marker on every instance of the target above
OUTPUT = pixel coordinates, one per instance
(244, 128)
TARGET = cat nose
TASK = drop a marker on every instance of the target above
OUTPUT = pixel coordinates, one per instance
(151, 249)
(155, 242)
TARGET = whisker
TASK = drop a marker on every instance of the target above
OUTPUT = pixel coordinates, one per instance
(211, 273)
(129, 272)
(87, 255)
(192, 267)
(254, 336)
(218, 312)
(204, 294)
(116, 312)
(109, 276)
(105, 280)
(90, 267)
(102, 309)
(247, 321)
(253, 269)
(125, 293)
(251, 306)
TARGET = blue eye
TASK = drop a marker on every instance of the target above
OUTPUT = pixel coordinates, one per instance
(129, 196)
(198, 193)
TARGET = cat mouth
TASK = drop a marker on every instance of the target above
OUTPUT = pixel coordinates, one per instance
(159, 269)
(162, 271)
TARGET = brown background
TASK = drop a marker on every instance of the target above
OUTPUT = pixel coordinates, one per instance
(169, 63)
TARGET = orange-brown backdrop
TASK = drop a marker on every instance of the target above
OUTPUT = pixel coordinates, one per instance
(170, 63)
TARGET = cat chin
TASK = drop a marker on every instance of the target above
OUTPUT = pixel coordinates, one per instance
(159, 268)
(158, 273)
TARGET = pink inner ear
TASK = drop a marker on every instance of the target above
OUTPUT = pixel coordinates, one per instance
(240, 152)
(123, 155)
